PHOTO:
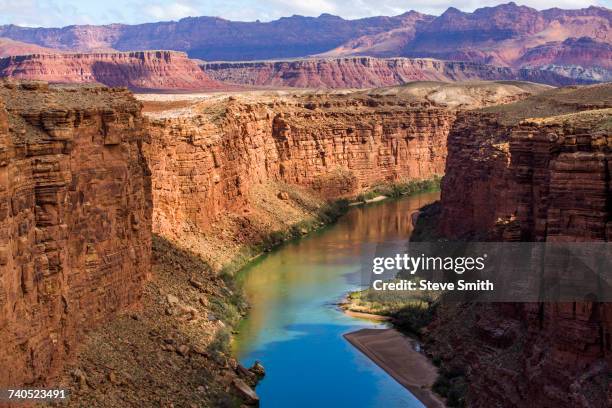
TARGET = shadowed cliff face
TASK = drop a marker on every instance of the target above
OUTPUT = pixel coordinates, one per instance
(75, 210)
(540, 179)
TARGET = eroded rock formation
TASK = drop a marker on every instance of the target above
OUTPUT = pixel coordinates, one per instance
(75, 215)
(236, 168)
(368, 72)
(207, 164)
(541, 179)
(144, 70)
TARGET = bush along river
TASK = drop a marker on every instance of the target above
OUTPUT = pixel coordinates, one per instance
(295, 328)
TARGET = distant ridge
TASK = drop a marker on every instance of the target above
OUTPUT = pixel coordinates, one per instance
(498, 35)
(137, 70)
(368, 72)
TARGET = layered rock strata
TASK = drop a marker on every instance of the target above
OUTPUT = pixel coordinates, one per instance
(75, 216)
(513, 177)
(210, 163)
(229, 167)
(481, 147)
(368, 72)
(142, 70)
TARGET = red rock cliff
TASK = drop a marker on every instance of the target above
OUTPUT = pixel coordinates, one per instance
(75, 213)
(542, 179)
(152, 70)
(204, 165)
(368, 72)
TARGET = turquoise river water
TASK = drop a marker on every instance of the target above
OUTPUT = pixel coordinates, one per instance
(294, 327)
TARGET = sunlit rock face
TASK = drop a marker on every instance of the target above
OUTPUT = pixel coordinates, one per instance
(139, 70)
(204, 165)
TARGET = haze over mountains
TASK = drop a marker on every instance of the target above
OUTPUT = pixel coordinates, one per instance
(575, 44)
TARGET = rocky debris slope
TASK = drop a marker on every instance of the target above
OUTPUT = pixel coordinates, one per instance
(144, 70)
(536, 170)
(75, 217)
(174, 351)
(369, 72)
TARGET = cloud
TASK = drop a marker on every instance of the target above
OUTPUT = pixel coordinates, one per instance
(54, 13)
(171, 11)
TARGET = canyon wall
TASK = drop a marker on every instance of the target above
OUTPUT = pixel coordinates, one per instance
(143, 70)
(479, 157)
(368, 72)
(75, 215)
(218, 160)
(230, 171)
(547, 178)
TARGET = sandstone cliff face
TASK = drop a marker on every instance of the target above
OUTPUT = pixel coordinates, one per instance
(361, 72)
(227, 171)
(368, 72)
(75, 213)
(481, 147)
(152, 70)
(206, 165)
(543, 179)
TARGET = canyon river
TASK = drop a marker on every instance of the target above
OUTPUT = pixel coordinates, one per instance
(294, 327)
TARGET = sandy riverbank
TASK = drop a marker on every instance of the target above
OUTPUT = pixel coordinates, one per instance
(395, 353)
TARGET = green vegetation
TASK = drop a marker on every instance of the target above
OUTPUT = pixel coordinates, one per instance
(326, 215)
(451, 384)
(409, 312)
(396, 190)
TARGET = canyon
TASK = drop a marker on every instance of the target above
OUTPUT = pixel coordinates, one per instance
(124, 221)
(246, 168)
(93, 188)
(537, 170)
(146, 70)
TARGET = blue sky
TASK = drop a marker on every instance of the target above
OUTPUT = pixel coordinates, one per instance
(55, 13)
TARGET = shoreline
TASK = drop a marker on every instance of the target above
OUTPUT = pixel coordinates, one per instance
(396, 355)
(365, 315)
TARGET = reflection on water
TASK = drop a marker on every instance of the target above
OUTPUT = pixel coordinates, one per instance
(295, 330)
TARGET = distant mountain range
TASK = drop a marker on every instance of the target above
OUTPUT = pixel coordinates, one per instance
(562, 43)
(500, 35)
